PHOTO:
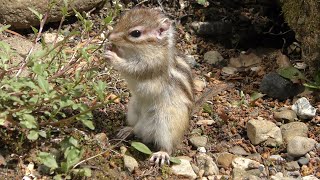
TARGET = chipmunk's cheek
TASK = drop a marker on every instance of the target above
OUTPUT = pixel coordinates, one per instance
(118, 50)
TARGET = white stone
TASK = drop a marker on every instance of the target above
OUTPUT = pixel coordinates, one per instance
(262, 130)
(199, 84)
(310, 177)
(205, 122)
(206, 163)
(202, 149)
(50, 37)
(130, 163)
(304, 109)
(184, 169)
(244, 163)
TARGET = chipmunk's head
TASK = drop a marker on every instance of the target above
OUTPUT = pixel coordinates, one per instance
(142, 28)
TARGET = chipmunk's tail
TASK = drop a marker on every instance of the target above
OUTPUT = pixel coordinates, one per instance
(213, 91)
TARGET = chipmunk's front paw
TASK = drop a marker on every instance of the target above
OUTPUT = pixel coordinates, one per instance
(125, 132)
(160, 158)
(111, 55)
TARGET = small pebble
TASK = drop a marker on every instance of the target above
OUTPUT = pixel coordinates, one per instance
(303, 161)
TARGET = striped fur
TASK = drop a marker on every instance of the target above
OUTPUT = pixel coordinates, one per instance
(160, 81)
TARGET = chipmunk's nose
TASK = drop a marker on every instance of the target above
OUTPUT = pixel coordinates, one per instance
(113, 36)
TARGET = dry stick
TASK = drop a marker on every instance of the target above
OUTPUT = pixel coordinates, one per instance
(34, 44)
(15, 33)
(92, 157)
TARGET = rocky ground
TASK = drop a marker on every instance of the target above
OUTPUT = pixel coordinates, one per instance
(237, 134)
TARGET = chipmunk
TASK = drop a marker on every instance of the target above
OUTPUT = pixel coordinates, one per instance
(160, 81)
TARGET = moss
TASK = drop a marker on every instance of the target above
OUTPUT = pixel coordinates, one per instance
(304, 18)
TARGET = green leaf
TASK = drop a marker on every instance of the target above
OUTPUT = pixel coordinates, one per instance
(141, 147)
(78, 15)
(88, 123)
(4, 28)
(202, 2)
(100, 89)
(43, 83)
(42, 133)
(256, 95)
(73, 156)
(107, 19)
(175, 160)
(2, 121)
(48, 160)
(83, 172)
(69, 142)
(317, 78)
(58, 177)
(5, 47)
(35, 30)
(28, 121)
(39, 16)
(33, 135)
(291, 73)
(38, 68)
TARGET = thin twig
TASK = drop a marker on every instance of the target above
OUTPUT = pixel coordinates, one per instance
(26, 60)
(103, 152)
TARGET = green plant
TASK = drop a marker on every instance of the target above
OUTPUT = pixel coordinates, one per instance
(42, 88)
(295, 76)
(205, 3)
(72, 153)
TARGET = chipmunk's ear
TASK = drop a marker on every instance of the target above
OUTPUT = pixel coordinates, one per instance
(163, 28)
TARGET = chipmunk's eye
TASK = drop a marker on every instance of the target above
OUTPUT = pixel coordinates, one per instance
(135, 33)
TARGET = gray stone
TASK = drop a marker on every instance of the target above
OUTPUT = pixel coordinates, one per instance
(213, 57)
(255, 157)
(294, 129)
(238, 173)
(229, 70)
(207, 164)
(303, 161)
(292, 166)
(285, 116)
(261, 130)
(191, 61)
(184, 169)
(199, 141)
(299, 146)
(278, 87)
(280, 176)
(245, 60)
(130, 163)
(294, 174)
(277, 159)
(17, 14)
(238, 150)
